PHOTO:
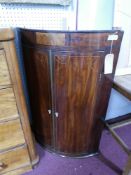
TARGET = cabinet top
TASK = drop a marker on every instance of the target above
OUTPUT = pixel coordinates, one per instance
(69, 31)
(89, 39)
(6, 34)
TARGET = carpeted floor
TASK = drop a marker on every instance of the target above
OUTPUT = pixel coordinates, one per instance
(110, 162)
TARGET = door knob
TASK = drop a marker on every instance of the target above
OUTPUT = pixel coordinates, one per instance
(56, 114)
(2, 165)
(49, 111)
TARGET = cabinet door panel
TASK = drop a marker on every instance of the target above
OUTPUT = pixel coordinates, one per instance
(38, 80)
(76, 80)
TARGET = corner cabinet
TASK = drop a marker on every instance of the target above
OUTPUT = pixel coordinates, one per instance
(68, 89)
(17, 150)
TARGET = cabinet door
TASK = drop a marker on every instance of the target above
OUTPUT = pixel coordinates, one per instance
(38, 80)
(76, 84)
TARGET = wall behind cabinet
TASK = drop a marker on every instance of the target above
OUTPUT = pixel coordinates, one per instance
(96, 14)
(123, 20)
(119, 105)
(35, 16)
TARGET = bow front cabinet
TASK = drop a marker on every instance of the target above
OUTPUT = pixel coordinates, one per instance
(68, 86)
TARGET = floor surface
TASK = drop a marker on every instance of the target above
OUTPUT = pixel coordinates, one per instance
(110, 161)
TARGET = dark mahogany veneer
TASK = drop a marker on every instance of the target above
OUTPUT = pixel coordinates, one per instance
(68, 89)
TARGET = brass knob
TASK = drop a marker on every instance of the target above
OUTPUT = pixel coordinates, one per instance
(56, 114)
(49, 111)
(2, 165)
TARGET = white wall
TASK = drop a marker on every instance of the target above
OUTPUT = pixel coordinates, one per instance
(95, 14)
(123, 20)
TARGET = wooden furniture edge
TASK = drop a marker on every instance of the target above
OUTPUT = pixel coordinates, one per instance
(13, 65)
(6, 34)
(19, 171)
(35, 161)
(121, 90)
(118, 85)
(127, 169)
(119, 119)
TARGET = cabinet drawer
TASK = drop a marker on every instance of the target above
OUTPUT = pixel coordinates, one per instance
(19, 171)
(11, 134)
(13, 159)
(8, 108)
(4, 72)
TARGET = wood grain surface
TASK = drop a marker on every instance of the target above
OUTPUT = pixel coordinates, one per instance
(14, 159)
(123, 85)
(4, 72)
(20, 171)
(73, 83)
(8, 108)
(11, 134)
(76, 86)
(40, 93)
(55, 39)
(17, 150)
(1, 46)
(6, 34)
(13, 65)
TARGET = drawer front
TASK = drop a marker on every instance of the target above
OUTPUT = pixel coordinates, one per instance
(13, 159)
(4, 72)
(8, 108)
(11, 134)
(19, 171)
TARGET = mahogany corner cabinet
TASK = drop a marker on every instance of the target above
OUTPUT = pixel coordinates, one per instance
(69, 79)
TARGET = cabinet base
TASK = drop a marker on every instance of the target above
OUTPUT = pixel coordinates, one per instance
(62, 154)
(78, 156)
(35, 161)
